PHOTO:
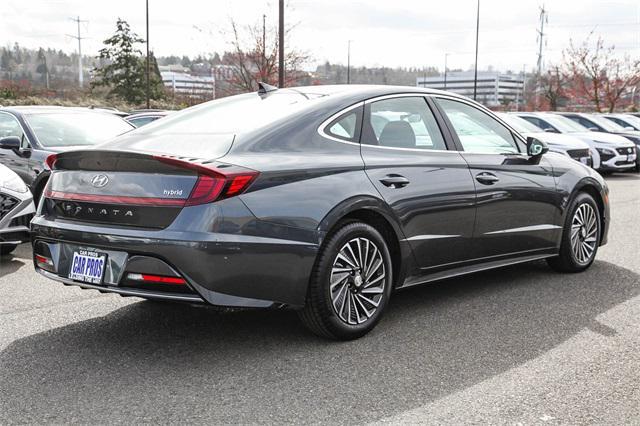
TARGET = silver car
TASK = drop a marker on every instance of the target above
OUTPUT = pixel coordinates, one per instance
(16, 210)
(568, 145)
(610, 152)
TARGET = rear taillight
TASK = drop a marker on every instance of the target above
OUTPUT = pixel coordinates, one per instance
(44, 262)
(213, 183)
(50, 162)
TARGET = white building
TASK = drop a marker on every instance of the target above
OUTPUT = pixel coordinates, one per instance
(493, 88)
(190, 85)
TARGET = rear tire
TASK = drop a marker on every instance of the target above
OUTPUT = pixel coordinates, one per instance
(580, 236)
(6, 249)
(350, 284)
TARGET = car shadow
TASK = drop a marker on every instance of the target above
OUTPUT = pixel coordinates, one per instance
(178, 363)
(623, 176)
(10, 263)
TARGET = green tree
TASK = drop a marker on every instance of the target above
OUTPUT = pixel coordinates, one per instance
(123, 69)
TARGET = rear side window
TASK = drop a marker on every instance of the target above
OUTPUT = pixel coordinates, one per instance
(405, 122)
(347, 126)
(478, 131)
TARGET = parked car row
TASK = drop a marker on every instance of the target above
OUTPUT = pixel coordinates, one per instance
(613, 148)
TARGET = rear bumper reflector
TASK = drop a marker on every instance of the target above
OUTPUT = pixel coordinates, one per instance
(158, 279)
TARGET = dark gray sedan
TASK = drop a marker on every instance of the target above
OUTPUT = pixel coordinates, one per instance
(320, 199)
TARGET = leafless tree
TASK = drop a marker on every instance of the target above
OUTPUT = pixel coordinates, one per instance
(598, 74)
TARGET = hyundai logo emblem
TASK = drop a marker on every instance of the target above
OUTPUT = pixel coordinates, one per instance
(99, 181)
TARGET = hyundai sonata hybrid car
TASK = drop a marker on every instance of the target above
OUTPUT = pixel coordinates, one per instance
(611, 153)
(323, 199)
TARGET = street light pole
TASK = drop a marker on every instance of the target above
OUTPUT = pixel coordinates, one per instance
(281, 43)
(148, 61)
(348, 61)
(264, 45)
(475, 68)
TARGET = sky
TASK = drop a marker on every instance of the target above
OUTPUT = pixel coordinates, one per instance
(407, 33)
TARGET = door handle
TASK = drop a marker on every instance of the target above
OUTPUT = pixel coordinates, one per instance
(487, 178)
(395, 181)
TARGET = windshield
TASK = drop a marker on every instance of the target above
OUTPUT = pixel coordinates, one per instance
(75, 128)
(230, 115)
(606, 124)
(632, 121)
(563, 124)
(520, 124)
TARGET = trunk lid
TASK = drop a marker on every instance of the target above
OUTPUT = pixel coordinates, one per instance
(133, 188)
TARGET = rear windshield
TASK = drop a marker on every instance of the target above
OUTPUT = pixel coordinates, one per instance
(76, 128)
(230, 115)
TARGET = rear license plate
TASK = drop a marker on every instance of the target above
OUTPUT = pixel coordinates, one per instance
(88, 266)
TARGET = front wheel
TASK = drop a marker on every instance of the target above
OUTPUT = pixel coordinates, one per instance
(350, 284)
(580, 236)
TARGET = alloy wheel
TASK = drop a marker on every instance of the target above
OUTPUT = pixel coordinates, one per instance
(584, 233)
(358, 279)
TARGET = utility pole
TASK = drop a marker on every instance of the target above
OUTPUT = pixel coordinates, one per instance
(475, 68)
(445, 70)
(348, 61)
(79, 38)
(264, 45)
(281, 43)
(544, 18)
(148, 61)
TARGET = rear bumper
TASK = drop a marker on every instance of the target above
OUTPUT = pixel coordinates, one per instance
(221, 269)
(124, 291)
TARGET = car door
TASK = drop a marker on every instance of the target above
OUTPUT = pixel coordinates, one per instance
(17, 160)
(428, 186)
(517, 201)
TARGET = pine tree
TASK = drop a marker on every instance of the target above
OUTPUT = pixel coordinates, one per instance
(125, 68)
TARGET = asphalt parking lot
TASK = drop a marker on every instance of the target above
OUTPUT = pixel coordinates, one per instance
(517, 345)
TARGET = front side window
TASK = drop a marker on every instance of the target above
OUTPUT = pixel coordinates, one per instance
(478, 132)
(9, 126)
(405, 122)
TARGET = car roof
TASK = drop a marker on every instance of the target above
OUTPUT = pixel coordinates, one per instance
(363, 89)
(48, 109)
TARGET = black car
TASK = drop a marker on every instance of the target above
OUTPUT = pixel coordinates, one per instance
(321, 199)
(29, 134)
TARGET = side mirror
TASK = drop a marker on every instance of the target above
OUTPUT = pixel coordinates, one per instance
(550, 130)
(593, 129)
(535, 147)
(629, 128)
(10, 142)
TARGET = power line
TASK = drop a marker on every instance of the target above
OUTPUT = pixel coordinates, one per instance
(77, 20)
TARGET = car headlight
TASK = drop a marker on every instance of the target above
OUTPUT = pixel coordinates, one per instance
(13, 183)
